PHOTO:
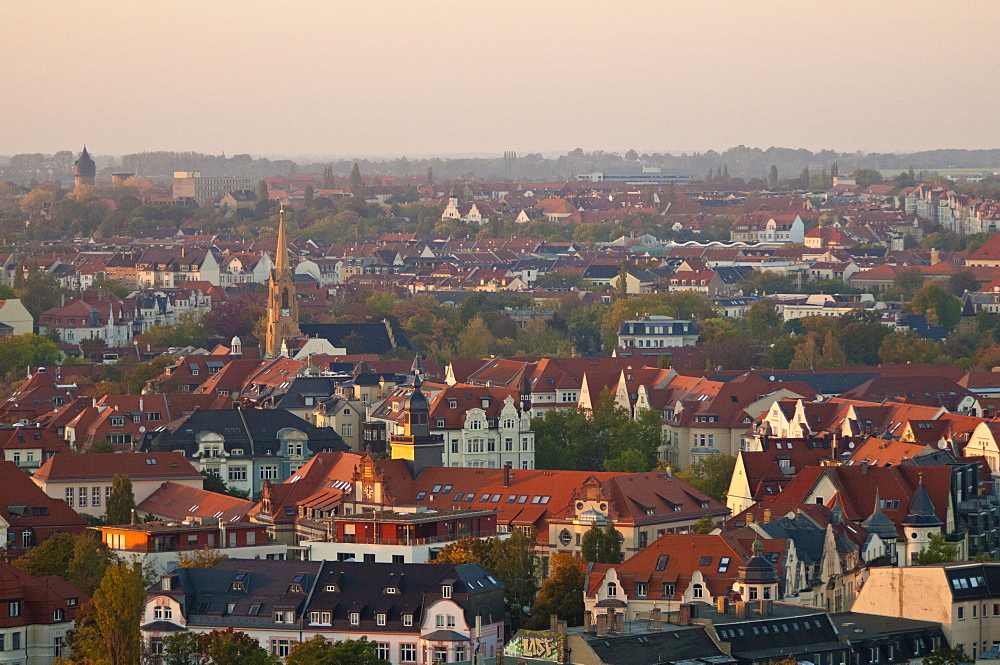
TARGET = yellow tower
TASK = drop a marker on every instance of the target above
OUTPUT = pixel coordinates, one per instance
(282, 309)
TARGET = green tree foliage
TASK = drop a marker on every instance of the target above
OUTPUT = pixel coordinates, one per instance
(602, 439)
(907, 283)
(860, 334)
(948, 656)
(229, 646)
(318, 651)
(18, 352)
(355, 180)
(37, 290)
(866, 177)
(121, 502)
(938, 550)
(705, 525)
(561, 593)
(188, 332)
(183, 648)
(602, 545)
(81, 560)
(940, 307)
(961, 282)
(511, 559)
(711, 475)
(475, 341)
(767, 281)
(906, 346)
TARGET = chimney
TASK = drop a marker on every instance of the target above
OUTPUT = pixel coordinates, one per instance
(749, 519)
(655, 616)
(588, 622)
(602, 625)
(767, 515)
(765, 608)
(722, 605)
(742, 611)
(864, 467)
(685, 613)
(506, 474)
(554, 623)
(562, 628)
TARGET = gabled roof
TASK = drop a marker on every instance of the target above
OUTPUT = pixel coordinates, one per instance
(105, 466)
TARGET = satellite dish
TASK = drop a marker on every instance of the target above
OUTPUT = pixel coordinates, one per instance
(142, 429)
(771, 378)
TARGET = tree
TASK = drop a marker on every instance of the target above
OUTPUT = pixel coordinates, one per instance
(561, 593)
(89, 563)
(772, 177)
(938, 550)
(861, 334)
(355, 180)
(807, 354)
(705, 525)
(961, 282)
(866, 177)
(711, 475)
(51, 557)
(213, 483)
(946, 656)
(475, 341)
(318, 651)
(601, 545)
(907, 282)
(328, 180)
(203, 558)
(121, 503)
(430, 176)
(906, 346)
(182, 648)
(229, 646)
(263, 193)
(118, 603)
(17, 352)
(102, 445)
(940, 307)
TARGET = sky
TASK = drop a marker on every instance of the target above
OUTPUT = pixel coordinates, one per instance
(378, 79)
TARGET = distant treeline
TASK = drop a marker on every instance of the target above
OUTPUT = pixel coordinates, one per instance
(738, 162)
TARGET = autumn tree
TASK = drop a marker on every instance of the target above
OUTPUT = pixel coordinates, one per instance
(940, 307)
(89, 563)
(17, 352)
(475, 341)
(561, 593)
(202, 558)
(121, 502)
(117, 612)
(948, 656)
(906, 346)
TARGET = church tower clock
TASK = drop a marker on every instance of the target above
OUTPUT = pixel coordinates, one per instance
(282, 308)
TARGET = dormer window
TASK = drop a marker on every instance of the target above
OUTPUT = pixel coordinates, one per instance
(446, 591)
(380, 619)
(391, 589)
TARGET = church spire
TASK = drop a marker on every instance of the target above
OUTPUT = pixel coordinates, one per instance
(281, 254)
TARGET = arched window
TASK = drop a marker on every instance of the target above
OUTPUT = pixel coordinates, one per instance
(698, 591)
(612, 589)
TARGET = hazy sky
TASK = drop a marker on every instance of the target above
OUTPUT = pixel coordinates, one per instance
(391, 78)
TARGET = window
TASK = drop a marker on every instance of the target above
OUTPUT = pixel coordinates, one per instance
(961, 613)
(237, 473)
(57, 643)
(439, 621)
(380, 619)
(83, 497)
(612, 589)
(382, 650)
(446, 591)
(355, 618)
(441, 654)
(280, 648)
(641, 588)
(407, 653)
(723, 564)
(95, 496)
(269, 472)
(347, 429)
(698, 591)
(407, 620)
(69, 495)
(15, 608)
(15, 641)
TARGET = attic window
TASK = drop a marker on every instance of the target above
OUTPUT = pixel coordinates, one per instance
(734, 398)
(705, 561)
(723, 564)
(421, 495)
(151, 461)
(661, 562)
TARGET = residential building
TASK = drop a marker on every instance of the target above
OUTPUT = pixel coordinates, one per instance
(656, 332)
(963, 597)
(159, 545)
(96, 315)
(84, 481)
(168, 267)
(414, 613)
(174, 502)
(245, 447)
(38, 614)
(207, 189)
(14, 318)
(29, 447)
(28, 516)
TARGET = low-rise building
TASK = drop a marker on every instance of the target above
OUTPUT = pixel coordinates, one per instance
(84, 480)
(656, 332)
(40, 611)
(414, 613)
(159, 545)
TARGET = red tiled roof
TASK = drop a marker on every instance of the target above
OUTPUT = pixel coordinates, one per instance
(94, 466)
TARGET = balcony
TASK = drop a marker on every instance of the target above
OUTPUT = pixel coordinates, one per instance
(428, 540)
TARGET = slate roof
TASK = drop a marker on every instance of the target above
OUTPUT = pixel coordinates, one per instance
(253, 430)
(374, 336)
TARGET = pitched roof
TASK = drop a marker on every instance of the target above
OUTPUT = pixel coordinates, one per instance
(104, 466)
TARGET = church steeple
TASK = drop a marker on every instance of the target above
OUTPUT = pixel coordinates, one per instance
(281, 254)
(282, 307)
